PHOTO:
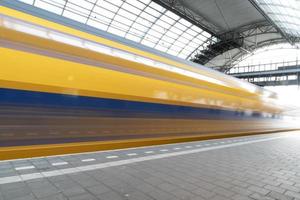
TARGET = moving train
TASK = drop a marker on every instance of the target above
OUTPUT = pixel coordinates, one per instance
(60, 85)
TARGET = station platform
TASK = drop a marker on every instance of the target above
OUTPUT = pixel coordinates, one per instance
(241, 168)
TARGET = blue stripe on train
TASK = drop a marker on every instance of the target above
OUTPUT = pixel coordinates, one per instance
(70, 105)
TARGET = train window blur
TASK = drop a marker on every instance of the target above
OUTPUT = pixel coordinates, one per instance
(66, 39)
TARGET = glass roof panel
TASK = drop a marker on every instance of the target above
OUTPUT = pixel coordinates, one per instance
(138, 4)
(115, 2)
(100, 25)
(116, 31)
(75, 16)
(52, 6)
(142, 21)
(284, 13)
(27, 1)
(132, 37)
(82, 9)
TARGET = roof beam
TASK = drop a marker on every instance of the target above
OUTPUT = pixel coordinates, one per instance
(250, 34)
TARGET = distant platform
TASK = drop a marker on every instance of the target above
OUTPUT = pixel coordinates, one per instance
(240, 168)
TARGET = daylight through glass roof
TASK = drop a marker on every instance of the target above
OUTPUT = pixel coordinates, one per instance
(284, 13)
(142, 21)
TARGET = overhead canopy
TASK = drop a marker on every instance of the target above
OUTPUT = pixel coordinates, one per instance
(241, 26)
(226, 15)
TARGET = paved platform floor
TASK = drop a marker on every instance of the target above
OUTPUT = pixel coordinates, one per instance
(263, 167)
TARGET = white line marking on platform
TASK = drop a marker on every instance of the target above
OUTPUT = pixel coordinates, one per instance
(88, 160)
(19, 178)
(132, 154)
(164, 150)
(109, 157)
(26, 177)
(59, 163)
(148, 152)
(188, 147)
(177, 148)
(24, 168)
(198, 145)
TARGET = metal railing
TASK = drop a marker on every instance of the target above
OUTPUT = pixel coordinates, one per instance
(265, 67)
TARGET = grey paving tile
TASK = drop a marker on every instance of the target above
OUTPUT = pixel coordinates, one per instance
(159, 194)
(279, 196)
(219, 197)
(16, 193)
(256, 183)
(204, 193)
(111, 196)
(8, 172)
(223, 192)
(87, 182)
(293, 194)
(188, 186)
(136, 196)
(241, 190)
(257, 196)
(285, 181)
(41, 192)
(36, 183)
(55, 197)
(168, 187)
(73, 191)
(10, 186)
(290, 187)
(146, 187)
(275, 188)
(240, 197)
(85, 196)
(27, 197)
(64, 184)
(259, 190)
(197, 198)
(205, 185)
(98, 189)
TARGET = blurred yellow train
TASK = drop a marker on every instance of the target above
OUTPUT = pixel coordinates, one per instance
(60, 85)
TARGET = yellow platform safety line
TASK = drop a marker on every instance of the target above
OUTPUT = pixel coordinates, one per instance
(17, 152)
(85, 35)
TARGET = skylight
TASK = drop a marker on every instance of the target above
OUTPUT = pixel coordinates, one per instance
(142, 21)
(284, 13)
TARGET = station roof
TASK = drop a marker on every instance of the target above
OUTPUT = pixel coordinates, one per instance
(242, 26)
(220, 31)
(225, 15)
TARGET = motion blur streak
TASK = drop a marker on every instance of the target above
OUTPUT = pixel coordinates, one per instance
(60, 85)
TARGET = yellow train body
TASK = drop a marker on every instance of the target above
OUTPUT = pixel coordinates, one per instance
(62, 85)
